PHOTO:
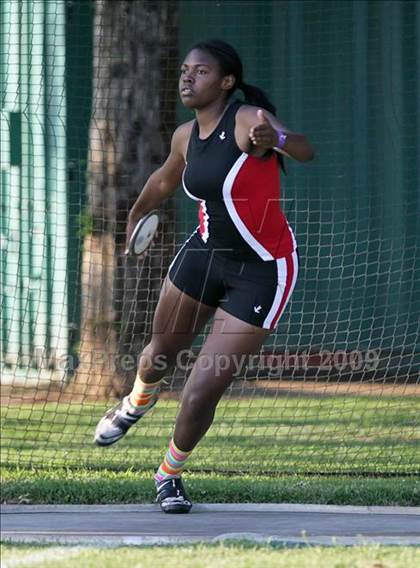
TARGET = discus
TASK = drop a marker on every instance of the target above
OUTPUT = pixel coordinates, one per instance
(143, 234)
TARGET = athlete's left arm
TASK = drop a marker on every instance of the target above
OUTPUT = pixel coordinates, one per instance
(262, 128)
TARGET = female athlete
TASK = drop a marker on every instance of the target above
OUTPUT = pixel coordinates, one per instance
(240, 265)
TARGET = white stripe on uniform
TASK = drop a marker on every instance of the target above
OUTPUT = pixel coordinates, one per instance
(273, 317)
(239, 224)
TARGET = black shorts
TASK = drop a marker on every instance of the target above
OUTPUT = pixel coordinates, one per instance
(256, 292)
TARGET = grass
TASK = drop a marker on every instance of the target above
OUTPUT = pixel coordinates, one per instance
(258, 450)
(240, 555)
(294, 435)
(61, 486)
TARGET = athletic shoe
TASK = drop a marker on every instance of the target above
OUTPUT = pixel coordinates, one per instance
(114, 425)
(172, 496)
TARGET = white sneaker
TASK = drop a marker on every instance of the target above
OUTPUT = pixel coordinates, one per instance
(116, 422)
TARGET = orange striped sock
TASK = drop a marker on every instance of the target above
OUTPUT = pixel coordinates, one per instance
(173, 463)
(142, 396)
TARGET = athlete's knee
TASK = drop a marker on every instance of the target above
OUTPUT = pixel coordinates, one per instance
(198, 407)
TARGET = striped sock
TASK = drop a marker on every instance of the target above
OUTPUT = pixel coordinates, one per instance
(173, 463)
(141, 397)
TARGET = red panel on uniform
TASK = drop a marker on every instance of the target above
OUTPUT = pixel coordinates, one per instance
(256, 197)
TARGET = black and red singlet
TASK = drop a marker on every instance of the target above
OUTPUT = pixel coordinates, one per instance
(238, 195)
(243, 257)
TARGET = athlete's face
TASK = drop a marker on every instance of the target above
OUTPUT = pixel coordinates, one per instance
(201, 81)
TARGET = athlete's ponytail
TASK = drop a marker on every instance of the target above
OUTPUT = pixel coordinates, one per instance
(231, 64)
(256, 97)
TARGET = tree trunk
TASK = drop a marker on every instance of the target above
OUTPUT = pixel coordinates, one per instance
(133, 116)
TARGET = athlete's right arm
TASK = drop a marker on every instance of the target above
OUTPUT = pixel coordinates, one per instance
(164, 181)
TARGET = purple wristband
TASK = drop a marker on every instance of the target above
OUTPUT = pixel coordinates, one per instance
(282, 136)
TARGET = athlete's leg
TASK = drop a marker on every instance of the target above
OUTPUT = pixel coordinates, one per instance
(219, 361)
(178, 319)
(249, 287)
(221, 358)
